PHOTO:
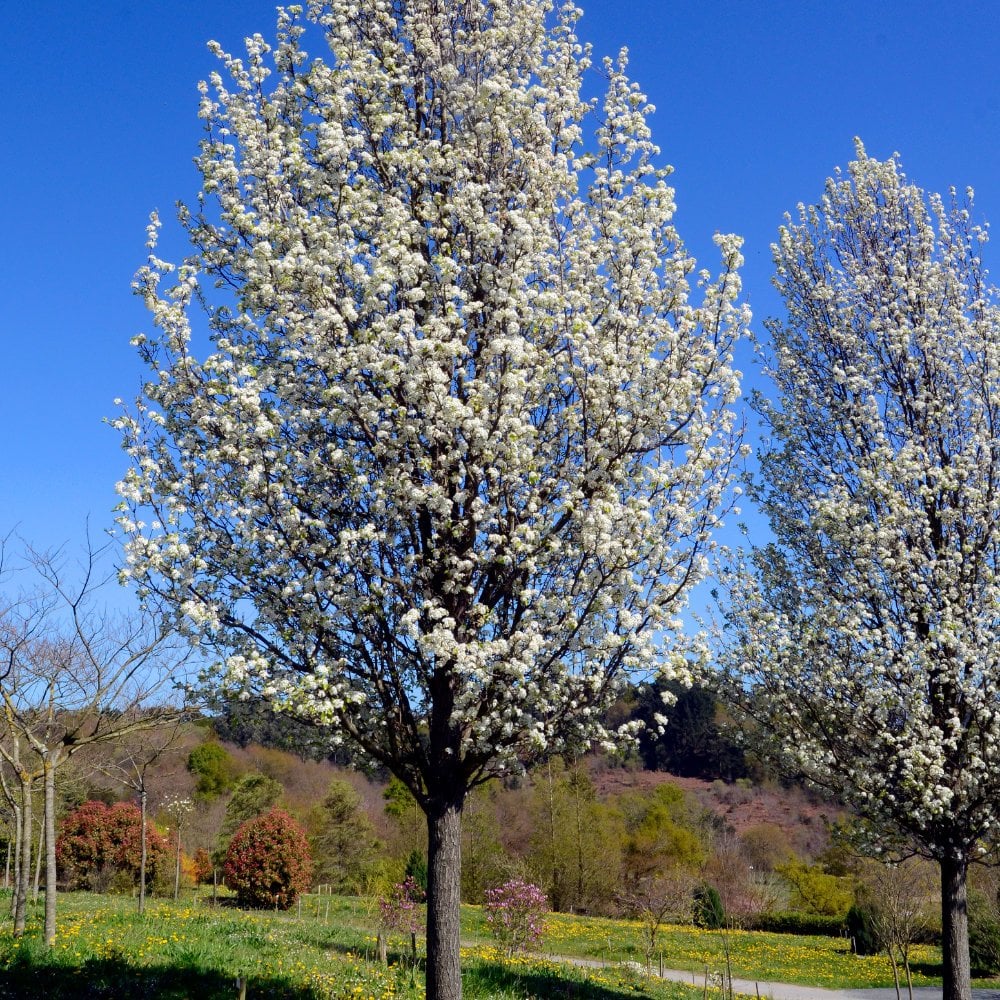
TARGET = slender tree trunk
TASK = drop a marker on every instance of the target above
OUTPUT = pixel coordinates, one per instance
(6, 870)
(556, 873)
(444, 875)
(895, 970)
(49, 823)
(17, 860)
(579, 848)
(23, 879)
(39, 855)
(142, 850)
(177, 865)
(955, 929)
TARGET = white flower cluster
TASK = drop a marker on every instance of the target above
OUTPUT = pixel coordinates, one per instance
(872, 633)
(456, 454)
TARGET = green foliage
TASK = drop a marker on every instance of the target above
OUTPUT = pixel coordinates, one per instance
(399, 800)
(408, 830)
(766, 845)
(253, 795)
(859, 925)
(485, 861)
(575, 848)
(814, 891)
(416, 869)
(692, 743)
(268, 862)
(342, 839)
(984, 942)
(660, 833)
(708, 911)
(794, 922)
(213, 767)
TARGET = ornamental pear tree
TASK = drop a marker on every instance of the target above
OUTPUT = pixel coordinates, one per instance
(868, 632)
(450, 459)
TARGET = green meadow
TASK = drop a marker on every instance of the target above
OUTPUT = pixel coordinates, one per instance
(325, 948)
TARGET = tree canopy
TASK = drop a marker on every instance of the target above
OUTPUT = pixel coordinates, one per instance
(452, 461)
(868, 632)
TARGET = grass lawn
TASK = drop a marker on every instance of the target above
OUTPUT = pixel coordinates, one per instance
(178, 951)
(192, 950)
(787, 958)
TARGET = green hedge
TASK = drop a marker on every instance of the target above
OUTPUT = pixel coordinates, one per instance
(798, 923)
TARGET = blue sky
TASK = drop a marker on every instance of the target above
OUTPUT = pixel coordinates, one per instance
(757, 103)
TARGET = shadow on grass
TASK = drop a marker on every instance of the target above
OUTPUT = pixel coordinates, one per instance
(494, 978)
(114, 979)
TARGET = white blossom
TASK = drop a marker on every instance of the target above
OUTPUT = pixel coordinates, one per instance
(869, 633)
(463, 436)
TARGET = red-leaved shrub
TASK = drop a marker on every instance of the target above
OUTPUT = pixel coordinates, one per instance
(99, 846)
(268, 862)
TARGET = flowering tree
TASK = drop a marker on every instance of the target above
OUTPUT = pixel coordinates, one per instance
(401, 910)
(268, 861)
(515, 912)
(178, 809)
(454, 458)
(871, 635)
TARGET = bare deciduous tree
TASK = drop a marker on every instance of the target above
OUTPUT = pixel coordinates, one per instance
(74, 674)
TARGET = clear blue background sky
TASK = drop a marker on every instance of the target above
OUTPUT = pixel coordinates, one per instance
(757, 103)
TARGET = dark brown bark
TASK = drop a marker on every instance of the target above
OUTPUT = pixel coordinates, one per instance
(955, 929)
(444, 877)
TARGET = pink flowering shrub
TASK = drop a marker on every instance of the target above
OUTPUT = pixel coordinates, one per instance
(515, 912)
(400, 910)
(268, 862)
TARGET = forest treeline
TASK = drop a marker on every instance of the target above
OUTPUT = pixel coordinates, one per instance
(600, 835)
(688, 815)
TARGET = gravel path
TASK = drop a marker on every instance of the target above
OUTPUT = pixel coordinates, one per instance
(791, 991)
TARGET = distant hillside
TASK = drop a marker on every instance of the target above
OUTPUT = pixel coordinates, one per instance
(803, 818)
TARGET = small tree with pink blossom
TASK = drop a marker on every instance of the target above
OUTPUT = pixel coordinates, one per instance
(516, 912)
(402, 911)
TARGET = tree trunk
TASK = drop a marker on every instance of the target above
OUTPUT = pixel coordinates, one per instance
(142, 850)
(49, 822)
(17, 861)
(39, 855)
(556, 873)
(895, 970)
(177, 866)
(23, 877)
(444, 874)
(955, 929)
